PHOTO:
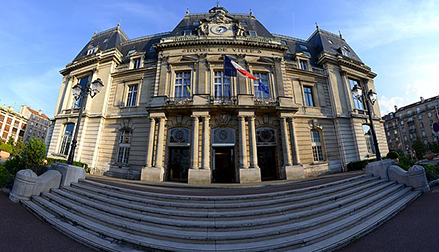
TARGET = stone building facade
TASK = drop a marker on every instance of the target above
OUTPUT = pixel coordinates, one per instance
(12, 124)
(37, 126)
(168, 112)
(415, 121)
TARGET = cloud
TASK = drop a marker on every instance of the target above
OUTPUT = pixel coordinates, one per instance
(37, 92)
(388, 104)
(385, 22)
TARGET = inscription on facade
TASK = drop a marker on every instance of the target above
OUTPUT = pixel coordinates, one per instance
(221, 50)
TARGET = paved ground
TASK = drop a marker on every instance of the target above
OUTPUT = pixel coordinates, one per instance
(21, 231)
(416, 228)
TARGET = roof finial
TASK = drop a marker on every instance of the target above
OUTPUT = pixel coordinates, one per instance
(217, 3)
(251, 12)
(317, 26)
(187, 10)
(118, 25)
(339, 32)
(96, 32)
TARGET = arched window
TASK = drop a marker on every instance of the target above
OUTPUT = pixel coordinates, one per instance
(317, 148)
(123, 152)
(368, 138)
(66, 138)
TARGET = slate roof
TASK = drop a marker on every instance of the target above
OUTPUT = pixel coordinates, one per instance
(104, 40)
(319, 41)
(322, 39)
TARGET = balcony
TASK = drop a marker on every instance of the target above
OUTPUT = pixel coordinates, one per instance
(260, 101)
(223, 100)
(179, 101)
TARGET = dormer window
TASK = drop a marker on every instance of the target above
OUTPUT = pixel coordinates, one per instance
(92, 50)
(151, 48)
(244, 24)
(252, 33)
(196, 23)
(307, 53)
(330, 42)
(304, 47)
(136, 63)
(303, 64)
(283, 42)
(105, 40)
(345, 52)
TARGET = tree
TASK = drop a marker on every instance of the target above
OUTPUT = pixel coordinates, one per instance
(433, 147)
(419, 148)
(34, 154)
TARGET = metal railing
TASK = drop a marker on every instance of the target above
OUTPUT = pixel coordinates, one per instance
(265, 101)
(179, 101)
(223, 100)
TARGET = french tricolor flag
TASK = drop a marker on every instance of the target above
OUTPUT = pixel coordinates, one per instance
(231, 67)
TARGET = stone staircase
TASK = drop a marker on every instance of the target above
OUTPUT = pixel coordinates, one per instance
(318, 218)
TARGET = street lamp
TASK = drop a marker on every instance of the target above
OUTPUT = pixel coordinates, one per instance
(92, 89)
(369, 97)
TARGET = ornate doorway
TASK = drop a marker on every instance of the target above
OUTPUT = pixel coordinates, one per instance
(223, 144)
(267, 159)
(179, 154)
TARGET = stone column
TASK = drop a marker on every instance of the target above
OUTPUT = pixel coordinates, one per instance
(252, 138)
(295, 150)
(194, 143)
(206, 145)
(242, 143)
(150, 142)
(160, 136)
(286, 145)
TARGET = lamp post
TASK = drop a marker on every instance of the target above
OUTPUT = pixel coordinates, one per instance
(369, 97)
(92, 89)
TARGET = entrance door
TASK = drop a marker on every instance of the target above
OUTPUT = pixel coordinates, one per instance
(224, 169)
(267, 162)
(178, 163)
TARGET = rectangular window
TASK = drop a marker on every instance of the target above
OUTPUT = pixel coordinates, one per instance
(124, 147)
(309, 101)
(252, 33)
(358, 104)
(124, 153)
(9, 121)
(83, 84)
(187, 33)
(303, 64)
(132, 95)
(136, 64)
(182, 85)
(65, 139)
(316, 144)
(222, 86)
(262, 86)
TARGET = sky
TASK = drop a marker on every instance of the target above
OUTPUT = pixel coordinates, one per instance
(398, 39)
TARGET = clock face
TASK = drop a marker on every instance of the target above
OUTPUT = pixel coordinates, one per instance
(218, 29)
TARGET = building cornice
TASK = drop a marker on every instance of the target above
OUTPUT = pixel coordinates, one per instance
(326, 57)
(100, 57)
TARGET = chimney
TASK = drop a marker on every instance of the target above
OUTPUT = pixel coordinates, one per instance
(396, 108)
(422, 99)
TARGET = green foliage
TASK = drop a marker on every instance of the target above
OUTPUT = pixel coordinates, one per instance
(433, 147)
(50, 161)
(10, 141)
(406, 161)
(431, 171)
(6, 147)
(4, 176)
(34, 154)
(359, 165)
(419, 148)
(18, 148)
(392, 155)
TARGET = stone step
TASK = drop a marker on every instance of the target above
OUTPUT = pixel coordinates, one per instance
(74, 232)
(345, 183)
(213, 234)
(367, 226)
(187, 211)
(219, 223)
(245, 245)
(124, 195)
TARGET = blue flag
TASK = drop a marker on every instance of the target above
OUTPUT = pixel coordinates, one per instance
(263, 88)
(229, 69)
